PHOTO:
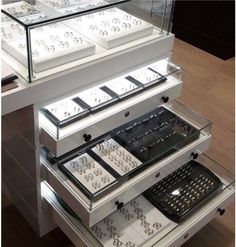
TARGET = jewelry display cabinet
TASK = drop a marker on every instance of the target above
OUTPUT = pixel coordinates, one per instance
(94, 141)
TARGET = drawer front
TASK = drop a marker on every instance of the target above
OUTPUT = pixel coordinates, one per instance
(80, 236)
(127, 191)
(109, 118)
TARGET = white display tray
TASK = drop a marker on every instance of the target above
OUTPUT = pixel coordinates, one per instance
(118, 26)
(47, 49)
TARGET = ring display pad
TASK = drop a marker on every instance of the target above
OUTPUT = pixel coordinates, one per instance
(155, 135)
(146, 77)
(121, 87)
(116, 156)
(88, 174)
(183, 191)
(21, 9)
(64, 111)
(132, 225)
(94, 98)
(109, 28)
(51, 45)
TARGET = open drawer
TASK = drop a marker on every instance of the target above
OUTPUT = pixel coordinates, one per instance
(73, 121)
(92, 208)
(169, 234)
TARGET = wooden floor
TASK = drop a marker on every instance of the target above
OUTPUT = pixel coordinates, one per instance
(209, 88)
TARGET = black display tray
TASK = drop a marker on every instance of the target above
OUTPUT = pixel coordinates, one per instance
(155, 135)
(178, 195)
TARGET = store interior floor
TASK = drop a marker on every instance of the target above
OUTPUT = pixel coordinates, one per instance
(209, 88)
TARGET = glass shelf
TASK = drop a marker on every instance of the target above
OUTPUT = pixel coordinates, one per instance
(50, 36)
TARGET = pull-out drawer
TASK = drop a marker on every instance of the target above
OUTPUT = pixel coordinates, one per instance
(91, 213)
(174, 234)
(107, 106)
(73, 184)
(90, 209)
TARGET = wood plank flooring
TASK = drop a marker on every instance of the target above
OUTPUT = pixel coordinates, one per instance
(209, 88)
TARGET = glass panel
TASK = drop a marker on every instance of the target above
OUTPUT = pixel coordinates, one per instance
(128, 150)
(57, 116)
(190, 115)
(14, 45)
(226, 176)
(62, 34)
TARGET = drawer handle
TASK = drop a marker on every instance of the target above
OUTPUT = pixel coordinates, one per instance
(127, 114)
(221, 211)
(158, 175)
(186, 235)
(87, 137)
(165, 99)
(194, 155)
(119, 204)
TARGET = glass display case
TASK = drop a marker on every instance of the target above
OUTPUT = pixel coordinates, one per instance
(110, 153)
(46, 37)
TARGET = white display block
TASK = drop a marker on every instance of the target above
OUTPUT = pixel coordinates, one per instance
(109, 28)
(112, 27)
(20, 9)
